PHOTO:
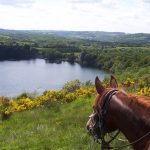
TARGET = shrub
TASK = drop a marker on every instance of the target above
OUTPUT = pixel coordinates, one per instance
(70, 92)
(71, 86)
(27, 95)
(128, 82)
(70, 97)
(88, 83)
(86, 91)
(23, 95)
(144, 91)
(4, 108)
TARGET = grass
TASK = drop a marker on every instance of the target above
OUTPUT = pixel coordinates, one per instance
(55, 128)
(60, 127)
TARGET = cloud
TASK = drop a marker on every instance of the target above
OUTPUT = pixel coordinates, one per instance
(17, 3)
(96, 4)
(85, 1)
(146, 1)
(106, 15)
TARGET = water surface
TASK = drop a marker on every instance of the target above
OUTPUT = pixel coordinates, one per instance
(37, 75)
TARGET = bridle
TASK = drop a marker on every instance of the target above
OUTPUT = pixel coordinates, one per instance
(102, 119)
(101, 124)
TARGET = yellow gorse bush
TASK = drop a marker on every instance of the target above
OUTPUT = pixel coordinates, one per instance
(86, 91)
(128, 82)
(7, 107)
(144, 91)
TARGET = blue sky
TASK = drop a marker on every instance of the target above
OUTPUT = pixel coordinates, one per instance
(131, 16)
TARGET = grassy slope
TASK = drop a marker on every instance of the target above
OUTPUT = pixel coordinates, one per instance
(56, 128)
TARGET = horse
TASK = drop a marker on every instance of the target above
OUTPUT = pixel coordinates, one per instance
(116, 110)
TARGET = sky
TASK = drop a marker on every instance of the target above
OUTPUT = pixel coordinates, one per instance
(130, 16)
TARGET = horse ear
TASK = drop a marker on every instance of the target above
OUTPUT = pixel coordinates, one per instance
(99, 87)
(113, 82)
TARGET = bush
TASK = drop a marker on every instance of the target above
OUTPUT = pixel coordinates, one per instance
(71, 86)
(70, 97)
(23, 95)
(4, 108)
(71, 91)
(27, 95)
(144, 91)
(88, 83)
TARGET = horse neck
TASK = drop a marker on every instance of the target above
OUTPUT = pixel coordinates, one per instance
(131, 117)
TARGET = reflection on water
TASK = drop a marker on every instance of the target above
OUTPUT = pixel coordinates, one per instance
(38, 75)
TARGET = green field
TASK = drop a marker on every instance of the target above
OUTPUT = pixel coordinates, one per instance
(59, 127)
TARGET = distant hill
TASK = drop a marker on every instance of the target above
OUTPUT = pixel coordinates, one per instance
(117, 37)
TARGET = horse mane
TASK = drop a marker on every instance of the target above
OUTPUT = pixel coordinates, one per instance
(139, 104)
(142, 101)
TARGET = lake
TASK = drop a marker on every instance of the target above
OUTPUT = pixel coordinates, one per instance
(37, 75)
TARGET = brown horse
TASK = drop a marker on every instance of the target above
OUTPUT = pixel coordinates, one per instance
(114, 109)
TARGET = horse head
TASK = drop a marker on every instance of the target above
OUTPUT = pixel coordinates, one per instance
(100, 121)
(113, 110)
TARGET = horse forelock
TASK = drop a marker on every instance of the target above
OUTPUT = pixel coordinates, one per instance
(99, 100)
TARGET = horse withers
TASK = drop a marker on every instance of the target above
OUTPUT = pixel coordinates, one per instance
(116, 110)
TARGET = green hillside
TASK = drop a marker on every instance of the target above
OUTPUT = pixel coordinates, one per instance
(60, 127)
(121, 37)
